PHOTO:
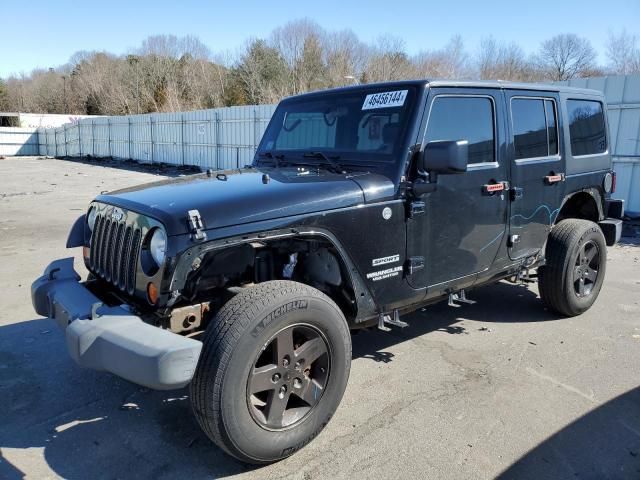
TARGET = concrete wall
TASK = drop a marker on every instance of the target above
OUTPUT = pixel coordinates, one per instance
(37, 120)
(18, 141)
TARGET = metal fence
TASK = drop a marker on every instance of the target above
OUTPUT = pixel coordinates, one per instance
(18, 141)
(216, 138)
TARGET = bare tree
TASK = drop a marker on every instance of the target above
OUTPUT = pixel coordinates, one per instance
(388, 61)
(4, 96)
(566, 56)
(503, 61)
(171, 73)
(448, 62)
(299, 44)
(345, 58)
(623, 53)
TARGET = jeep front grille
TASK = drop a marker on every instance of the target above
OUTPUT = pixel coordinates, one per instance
(115, 247)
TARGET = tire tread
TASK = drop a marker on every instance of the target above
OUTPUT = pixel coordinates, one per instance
(219, 341)
(562, 240)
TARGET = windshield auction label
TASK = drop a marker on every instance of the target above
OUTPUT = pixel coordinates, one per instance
(385, 99)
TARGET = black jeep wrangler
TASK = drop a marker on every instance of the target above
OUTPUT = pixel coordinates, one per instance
(362, 204)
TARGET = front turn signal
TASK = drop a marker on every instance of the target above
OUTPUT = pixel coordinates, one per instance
(152, 293)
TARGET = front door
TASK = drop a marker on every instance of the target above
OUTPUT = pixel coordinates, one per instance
(464, 219)
(537, 169)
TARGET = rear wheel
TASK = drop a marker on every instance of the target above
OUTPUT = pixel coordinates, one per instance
(274, 365)
(576, 257)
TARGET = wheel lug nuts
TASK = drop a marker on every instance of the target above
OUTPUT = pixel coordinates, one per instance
(275, 378)
(283, 391)
(285, 362)
(297, 383)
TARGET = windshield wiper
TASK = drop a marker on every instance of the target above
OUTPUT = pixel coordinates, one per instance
(276, 158)
(331, 161)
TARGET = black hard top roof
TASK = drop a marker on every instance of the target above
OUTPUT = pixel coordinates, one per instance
(545, 87)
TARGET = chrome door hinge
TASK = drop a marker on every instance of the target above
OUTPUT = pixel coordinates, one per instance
(516, 193)
(414, 264)
(416, 208)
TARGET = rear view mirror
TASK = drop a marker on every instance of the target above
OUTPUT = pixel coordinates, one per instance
(445, 156)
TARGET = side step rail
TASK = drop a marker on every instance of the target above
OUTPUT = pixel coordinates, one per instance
(455, 299)
(395, 321)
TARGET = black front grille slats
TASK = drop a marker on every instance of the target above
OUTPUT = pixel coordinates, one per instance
(124, 258)
(133, 258)
(115, 247)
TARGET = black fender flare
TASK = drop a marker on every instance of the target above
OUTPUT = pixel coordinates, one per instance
(77, 233)
(190, 258)
(595, 194)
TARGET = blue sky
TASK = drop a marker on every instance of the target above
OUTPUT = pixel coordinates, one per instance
(42, 34)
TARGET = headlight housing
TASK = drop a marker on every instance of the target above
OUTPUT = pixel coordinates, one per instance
(91, 218)
(158, 246)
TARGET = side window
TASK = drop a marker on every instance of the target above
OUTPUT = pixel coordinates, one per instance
(535, 132)
(464, 118)
(552, 126)
(586, 127)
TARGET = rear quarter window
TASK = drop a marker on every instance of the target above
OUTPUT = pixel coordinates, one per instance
(587, 130)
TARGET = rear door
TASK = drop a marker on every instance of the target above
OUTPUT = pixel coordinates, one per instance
(537, 168)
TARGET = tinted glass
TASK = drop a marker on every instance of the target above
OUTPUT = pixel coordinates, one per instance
(586, 127)
(363, 124)
(529, 128)
(552, 126)
(464, 118)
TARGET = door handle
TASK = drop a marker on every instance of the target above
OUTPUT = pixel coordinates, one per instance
(491, 188)
(554, 178)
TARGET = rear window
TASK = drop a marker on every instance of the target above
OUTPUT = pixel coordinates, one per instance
(587, 129)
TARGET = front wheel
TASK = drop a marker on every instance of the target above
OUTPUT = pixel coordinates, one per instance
(576, 259)
(273, 369)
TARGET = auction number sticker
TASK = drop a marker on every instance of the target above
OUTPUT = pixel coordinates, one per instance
(385, 99)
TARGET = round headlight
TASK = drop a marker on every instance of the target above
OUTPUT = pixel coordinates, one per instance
(158, 246)
(91, 218)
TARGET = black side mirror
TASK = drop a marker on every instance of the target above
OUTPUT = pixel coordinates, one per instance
(445, 156)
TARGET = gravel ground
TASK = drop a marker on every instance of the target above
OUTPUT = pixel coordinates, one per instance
(501, 388)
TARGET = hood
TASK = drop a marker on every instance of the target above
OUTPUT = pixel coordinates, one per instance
(249, 195)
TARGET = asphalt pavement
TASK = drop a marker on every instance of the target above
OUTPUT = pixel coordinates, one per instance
(502, 388)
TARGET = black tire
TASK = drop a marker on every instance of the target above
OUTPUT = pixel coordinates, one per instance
(238, 339)
(570, 281)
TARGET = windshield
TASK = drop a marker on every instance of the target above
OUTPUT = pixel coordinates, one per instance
(354, 126)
